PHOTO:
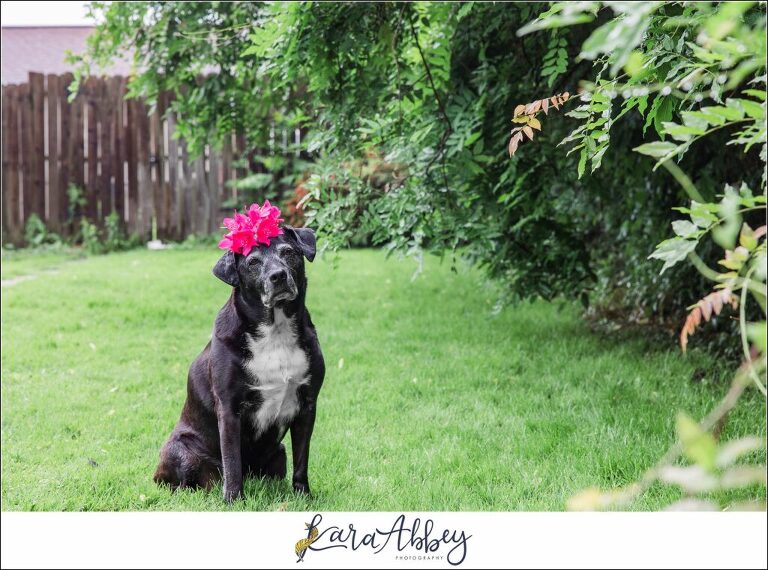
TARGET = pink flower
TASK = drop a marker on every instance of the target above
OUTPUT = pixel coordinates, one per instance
(248, 231)
(266, 220)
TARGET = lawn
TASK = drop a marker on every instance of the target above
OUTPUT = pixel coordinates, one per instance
(431, 402)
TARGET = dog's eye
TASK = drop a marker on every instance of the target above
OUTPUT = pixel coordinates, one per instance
(287, 253)
(253, 262)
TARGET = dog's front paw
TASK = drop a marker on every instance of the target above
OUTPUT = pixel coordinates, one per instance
(301, 487)
(233, 494)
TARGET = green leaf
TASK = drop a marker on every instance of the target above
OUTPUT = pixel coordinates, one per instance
(756, 333)
(682, 132)
(698, 445)
(465, 9)
(755, 93)
(747, 237)
(578, 114)
(672, 251)
(725, 20)
(710, 118)
(634, 64)
(728, 209)
(703, 215)
(650, 118)
(472, 138)
(656, 149)
(685, 229)
(663, 114)
(594, 45)
(582, 162)
(558, 20)
(728, 113)
(751, 108)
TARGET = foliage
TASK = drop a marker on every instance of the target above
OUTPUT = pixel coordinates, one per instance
(279, 173)
(294, 207)
(525, 115)
(76, 202)
(112, 238)
(83, 232)
(427, 87)
(678, 54)
(36, 234)
(728, 43)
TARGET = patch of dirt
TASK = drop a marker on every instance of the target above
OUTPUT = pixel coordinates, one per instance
(21, 278)
(16, 280)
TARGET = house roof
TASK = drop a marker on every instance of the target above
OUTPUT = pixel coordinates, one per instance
(42, 50)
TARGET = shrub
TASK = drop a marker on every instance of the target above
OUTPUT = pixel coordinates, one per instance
(36, 234)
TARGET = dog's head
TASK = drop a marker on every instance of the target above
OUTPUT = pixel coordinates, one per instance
(274, 273)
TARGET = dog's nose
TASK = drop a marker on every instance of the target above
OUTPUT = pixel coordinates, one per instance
(277, 276)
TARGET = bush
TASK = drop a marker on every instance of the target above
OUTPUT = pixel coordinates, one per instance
(433, 87)
(111, 239)
(36, 234)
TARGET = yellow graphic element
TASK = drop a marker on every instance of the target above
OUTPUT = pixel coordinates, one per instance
(303, 544)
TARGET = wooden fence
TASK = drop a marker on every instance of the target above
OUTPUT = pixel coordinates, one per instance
(124, 158)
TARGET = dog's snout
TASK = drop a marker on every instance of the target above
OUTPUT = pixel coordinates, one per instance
(278, 276)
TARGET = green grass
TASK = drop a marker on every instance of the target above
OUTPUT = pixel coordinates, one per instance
(430, 402)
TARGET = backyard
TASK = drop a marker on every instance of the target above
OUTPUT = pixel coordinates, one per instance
(432, 401)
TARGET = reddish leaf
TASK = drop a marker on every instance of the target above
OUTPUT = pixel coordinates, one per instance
(710, 305)
(545, 105)
(519, 110)
(760, 232)
(528, 131)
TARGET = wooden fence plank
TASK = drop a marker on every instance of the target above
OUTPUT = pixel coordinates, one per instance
(174, 180)
(53, 208)
(92, 147)
(104, 177)
(37, 149)
(203, 196)
(65, 134)
(12, 222)
(156, 165)
(144, 174)
(131, 156)
(25, 104)
(116, 91)
(76, 151)
(214, 189)
(226, 168)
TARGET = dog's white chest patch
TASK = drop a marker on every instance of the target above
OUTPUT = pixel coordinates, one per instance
(277, 367)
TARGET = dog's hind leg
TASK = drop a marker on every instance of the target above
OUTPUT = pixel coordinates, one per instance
(181, 467)
(276, 466)
(271, 462)
(169, 470)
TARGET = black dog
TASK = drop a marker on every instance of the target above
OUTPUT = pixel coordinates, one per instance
(258, 376)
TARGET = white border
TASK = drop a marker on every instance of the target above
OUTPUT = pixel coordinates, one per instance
(259, 540)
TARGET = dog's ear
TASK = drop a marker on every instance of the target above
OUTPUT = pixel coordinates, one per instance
(226, 269)
(305, 237)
